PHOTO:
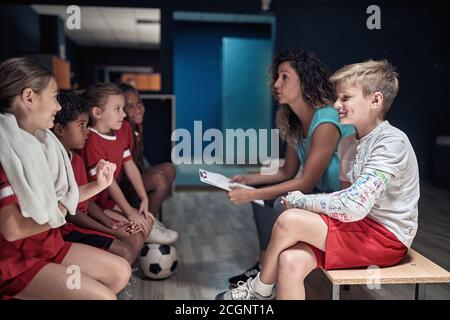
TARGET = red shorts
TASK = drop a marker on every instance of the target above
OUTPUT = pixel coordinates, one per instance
(12, 287)
(358, 244)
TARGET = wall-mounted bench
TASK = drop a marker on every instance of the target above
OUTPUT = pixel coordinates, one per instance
(414, 269)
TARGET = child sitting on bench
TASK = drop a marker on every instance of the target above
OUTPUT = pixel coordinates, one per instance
(372, 221)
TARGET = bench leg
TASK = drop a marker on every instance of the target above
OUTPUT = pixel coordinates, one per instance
(420, 291)
(335, 292)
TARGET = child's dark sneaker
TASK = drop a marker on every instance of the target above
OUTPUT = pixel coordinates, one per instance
(249, 274)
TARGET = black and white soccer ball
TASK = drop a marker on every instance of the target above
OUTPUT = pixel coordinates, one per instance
(158, 261)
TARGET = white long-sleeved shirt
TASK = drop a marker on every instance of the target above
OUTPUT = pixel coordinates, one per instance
(383, 170)
(348, 205)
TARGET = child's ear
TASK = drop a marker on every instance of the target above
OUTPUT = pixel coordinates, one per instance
(377, 100)
(96, 112)
(27, 97)
(58, 130)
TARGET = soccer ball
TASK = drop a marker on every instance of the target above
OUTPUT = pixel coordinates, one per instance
(158, 261)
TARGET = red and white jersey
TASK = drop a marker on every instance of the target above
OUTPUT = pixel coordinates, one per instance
(115, 149)
(18, 256)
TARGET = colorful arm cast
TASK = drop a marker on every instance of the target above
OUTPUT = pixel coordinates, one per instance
(351, 204)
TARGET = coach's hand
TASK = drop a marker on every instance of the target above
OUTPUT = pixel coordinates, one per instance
(244, 179)
(240, 196)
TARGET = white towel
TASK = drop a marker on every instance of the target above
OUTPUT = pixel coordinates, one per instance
(39, 171)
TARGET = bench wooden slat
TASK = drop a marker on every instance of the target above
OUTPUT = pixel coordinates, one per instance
(415, 268)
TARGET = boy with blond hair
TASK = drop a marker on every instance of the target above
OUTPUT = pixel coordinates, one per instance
(373, 220)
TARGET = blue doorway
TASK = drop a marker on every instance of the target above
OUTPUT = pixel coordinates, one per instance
(246, 98)
(199, 79)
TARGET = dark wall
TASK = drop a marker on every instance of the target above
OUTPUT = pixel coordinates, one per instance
(52, 35)
(23, 31)
(19, 31)
(72, 57)
(87, 58)
(413, 37)
(167, 8)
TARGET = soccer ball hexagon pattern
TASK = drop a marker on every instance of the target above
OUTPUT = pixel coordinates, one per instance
(158, 261)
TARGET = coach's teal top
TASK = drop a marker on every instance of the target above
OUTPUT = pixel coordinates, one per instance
(329, 182)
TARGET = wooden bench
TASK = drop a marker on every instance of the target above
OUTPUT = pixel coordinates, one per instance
(414, 269)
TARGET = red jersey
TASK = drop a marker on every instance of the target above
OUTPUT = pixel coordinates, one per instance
(114, 148)
(18, 257)
(79, 171)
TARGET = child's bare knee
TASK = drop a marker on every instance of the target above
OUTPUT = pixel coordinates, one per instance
(292, 220)
(124, 269)
(295, 262)
(104, 294)
(119, 274)
(290, 260)
(285, 220)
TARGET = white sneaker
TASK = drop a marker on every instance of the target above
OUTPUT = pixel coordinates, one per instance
(244, 291)
(160, 234)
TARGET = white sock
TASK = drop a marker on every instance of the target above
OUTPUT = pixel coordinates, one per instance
(261, 287)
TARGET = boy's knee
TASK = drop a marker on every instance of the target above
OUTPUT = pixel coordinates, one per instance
(295, 262)
(285, 220)
(291, 219)
(289, 260)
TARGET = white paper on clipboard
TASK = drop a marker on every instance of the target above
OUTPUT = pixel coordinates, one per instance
(220, 181)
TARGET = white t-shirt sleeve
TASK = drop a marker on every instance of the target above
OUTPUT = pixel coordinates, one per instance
(346, 154)
(389, 155)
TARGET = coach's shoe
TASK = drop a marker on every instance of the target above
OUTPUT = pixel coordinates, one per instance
(244, 291)
(249, 274)
(160, 234)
